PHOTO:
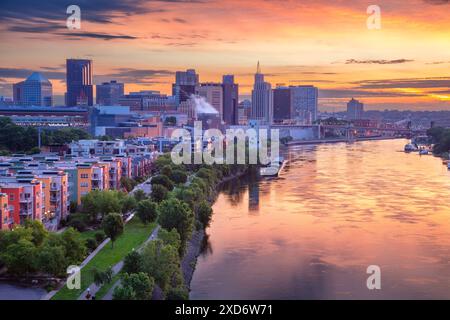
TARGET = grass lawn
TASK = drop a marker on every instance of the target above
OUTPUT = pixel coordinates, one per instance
(105, 288)
(90, 234)
(135, 234)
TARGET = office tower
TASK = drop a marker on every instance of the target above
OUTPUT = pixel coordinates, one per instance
(304, 103)
(108, 93)
(244, 112)
(261, 99)
(147, 100)
(79, 83)
(213, 94)
(184, 86)
(36, 90)
(230, 100)
(282, 104)
(355, 109)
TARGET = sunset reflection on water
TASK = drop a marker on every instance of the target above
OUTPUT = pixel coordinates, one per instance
(335, 210)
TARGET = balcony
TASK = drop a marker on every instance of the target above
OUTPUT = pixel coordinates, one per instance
(54, 187)
(26, 212)
(24, 199)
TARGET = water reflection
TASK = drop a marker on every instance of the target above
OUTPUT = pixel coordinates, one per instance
(311, 233)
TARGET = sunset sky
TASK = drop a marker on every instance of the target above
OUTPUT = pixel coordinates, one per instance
(405, 65)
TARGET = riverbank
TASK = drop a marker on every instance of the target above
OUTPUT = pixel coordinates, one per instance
(323, 141)
(194, 247)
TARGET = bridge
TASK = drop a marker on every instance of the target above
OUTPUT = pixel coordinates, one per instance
(350, 130)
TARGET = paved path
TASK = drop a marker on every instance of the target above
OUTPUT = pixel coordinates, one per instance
(153, 236)
(116, 269)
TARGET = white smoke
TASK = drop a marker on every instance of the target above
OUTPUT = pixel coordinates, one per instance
(203, 106)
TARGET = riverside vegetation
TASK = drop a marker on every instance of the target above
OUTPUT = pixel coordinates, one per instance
(180, 203)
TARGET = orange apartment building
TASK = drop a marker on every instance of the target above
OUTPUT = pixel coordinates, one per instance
(6, 219)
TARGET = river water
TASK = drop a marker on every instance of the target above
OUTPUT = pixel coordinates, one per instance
(14, 292)
(335, 210)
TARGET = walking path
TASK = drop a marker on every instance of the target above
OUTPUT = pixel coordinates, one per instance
(116, 269)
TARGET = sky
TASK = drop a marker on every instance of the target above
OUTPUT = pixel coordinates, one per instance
(403, 65)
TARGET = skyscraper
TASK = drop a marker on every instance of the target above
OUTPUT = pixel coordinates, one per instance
(304, 100)
(79, 83)
(36, 90)
(213, 94)
(230, 100)
(185, 84)
(355, 109)
(282, 104)
(108, 93)
(262, 99)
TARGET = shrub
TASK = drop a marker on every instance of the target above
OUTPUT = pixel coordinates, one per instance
(78, 224)
(100, 236)
(91, 244)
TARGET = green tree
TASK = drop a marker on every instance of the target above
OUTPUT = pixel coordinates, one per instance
(204, 213)
(135, 286)
(127, 183)
(147, 211)
(189, 195)
(128, 204)
(38, 231)
(74, 246)
(163, 180)
(167, 170)
(124, 293)
(174, 213)
(113, 226)
(102, 277)
(178, 293)
(178, 176)
(101, 202)
(133, 262)
(52, 259)
(20, 257)
(139, 195)
(159, 193)
(171, 237)
(162, 263)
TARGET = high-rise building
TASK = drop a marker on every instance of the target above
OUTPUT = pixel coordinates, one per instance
(36, 90)
(185, 84)
(262, 99)
(282, 104)
(230, 100)
(244, 112)
(213, 94)
(108, 93)
(304, 100)
(355, 109)
(79, 82)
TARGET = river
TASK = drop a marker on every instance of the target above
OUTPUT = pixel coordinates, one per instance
(15, 292)
(335, 210)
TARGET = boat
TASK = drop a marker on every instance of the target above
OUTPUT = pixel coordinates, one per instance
(423, 152)
(448, 166)
(410, 147)
(274, 168)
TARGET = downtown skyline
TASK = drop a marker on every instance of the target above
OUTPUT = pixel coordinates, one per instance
(327, 44)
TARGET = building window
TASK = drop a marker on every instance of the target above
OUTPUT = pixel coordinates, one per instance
(84, 184)
(84, 176)
(11, 197)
